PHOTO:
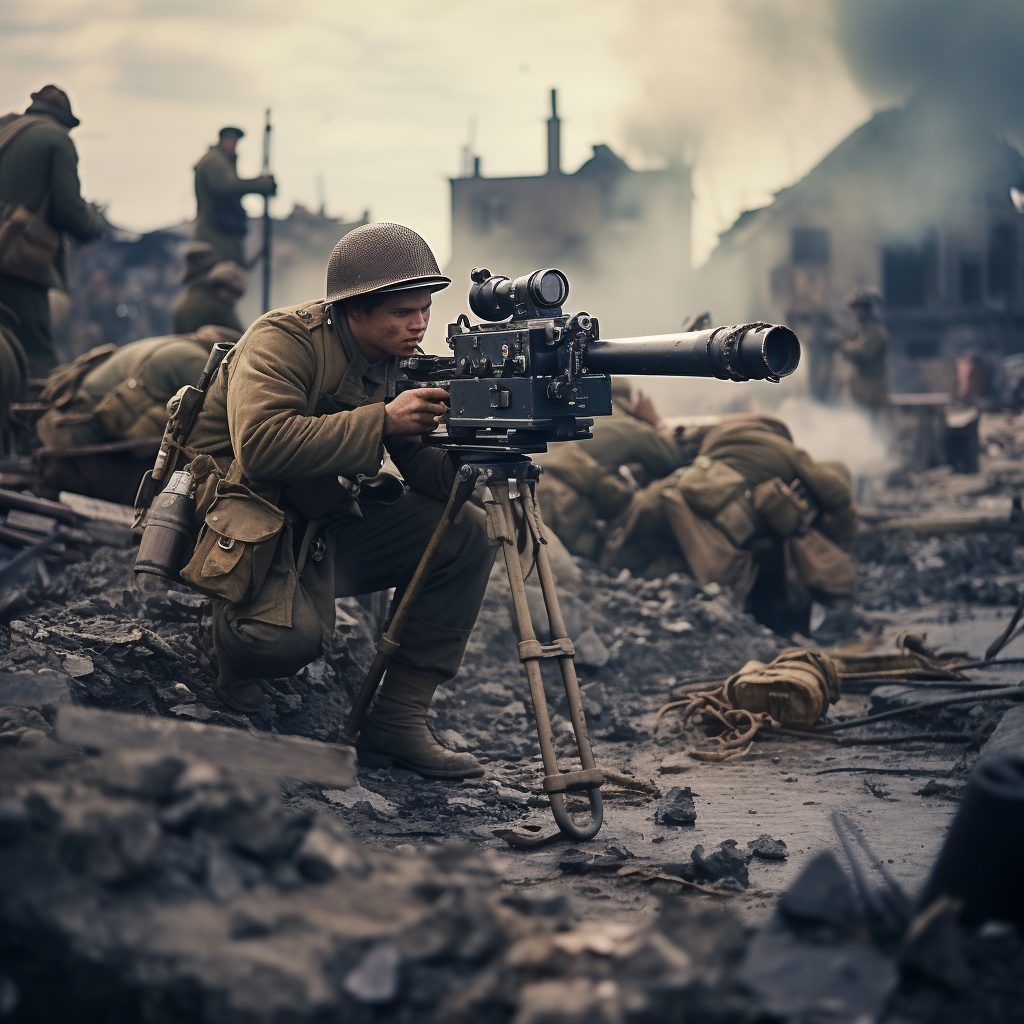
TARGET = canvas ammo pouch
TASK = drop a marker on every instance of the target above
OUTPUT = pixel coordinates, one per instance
(28, 245)
(709, 485)
(123, 410)
(236, 543)
(780, 506)
(795, 688)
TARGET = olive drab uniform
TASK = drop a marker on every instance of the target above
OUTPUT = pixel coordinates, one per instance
(199, 304)
(280, 535)
(582, 484)
(220, 218)
(868, 353)
(13, 361)
(112, 395)
(39, 174)
(749, 494)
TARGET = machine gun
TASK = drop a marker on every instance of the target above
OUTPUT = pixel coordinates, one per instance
(540, 375)
(530, 375)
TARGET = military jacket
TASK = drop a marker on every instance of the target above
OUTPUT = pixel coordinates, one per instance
(41, 162)
(286, 409)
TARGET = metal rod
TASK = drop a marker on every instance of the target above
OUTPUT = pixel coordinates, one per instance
(267, 223)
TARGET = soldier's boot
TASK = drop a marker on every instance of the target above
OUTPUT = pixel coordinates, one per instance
(244, 695)
(395, 732)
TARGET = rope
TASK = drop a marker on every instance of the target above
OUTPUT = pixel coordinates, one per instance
(741, 726)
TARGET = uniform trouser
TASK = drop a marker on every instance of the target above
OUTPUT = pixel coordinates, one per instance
(31, 304)
(376, 552)
(382, 549)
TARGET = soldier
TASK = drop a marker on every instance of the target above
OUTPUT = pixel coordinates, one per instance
(211, 299)
(868, 351)
(634, 436)
(220, 217)
(116, 394)
(40, 195)
(585, 483)
(293, 423)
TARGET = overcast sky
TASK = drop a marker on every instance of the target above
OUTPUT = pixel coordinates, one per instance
(379, 98)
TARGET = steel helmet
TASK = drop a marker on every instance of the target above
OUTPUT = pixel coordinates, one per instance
(381, 258)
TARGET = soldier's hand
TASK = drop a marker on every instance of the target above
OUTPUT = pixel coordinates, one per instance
(643, 409)
(416, 411)
(267, 185)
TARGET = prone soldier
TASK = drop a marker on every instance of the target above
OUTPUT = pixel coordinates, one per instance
(287, 453)
(586, 483)
(112, 395)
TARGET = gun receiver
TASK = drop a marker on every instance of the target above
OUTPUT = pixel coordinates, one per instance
(541, 375)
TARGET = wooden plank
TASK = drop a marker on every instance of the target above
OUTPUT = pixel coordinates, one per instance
(261, 754)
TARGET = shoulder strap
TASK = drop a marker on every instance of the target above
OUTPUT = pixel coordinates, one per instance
(62, 384)
(13, 128)
(319, 333)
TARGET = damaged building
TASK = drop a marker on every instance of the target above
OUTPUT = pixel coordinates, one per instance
(921, 202)
(622, 236)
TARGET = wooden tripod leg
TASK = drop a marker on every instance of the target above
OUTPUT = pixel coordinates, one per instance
(566, 664)
(556, 783)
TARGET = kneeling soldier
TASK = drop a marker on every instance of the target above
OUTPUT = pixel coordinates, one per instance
(293, 422)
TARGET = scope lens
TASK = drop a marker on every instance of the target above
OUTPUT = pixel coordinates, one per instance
(549, 288)
(781, 351)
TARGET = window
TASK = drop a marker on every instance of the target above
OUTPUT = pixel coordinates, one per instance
(923, 348)
(908, 274)
(487, 212)
(970, 282)
(810, 246)
(1002, 261)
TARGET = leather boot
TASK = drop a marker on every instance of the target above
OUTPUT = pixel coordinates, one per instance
(395, 732)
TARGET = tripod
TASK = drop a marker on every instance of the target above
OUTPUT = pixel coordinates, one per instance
(511, 479)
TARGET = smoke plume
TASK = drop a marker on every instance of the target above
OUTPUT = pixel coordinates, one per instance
(750, 92)
(969, 53)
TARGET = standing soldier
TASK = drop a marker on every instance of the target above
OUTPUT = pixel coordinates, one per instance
(40, 196)
(220, 217)
(868, 351)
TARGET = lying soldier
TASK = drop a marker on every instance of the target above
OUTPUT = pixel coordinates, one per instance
(752, 512)
(587, 483)
(112, 396)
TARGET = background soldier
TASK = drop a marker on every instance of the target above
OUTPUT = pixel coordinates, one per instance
(211, 300)
(220, 217)
(294, 421)
(868, 350)
(39, 175)
(118, 394)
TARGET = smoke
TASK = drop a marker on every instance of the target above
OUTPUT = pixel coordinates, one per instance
(750, 92)
(753, 93)
(969, 52)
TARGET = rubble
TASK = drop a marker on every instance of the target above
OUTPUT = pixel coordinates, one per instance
(170, 879)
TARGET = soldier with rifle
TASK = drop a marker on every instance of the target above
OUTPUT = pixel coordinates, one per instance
(287, 453)
(220, 218)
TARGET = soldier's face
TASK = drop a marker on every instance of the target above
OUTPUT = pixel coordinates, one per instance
(395, 328)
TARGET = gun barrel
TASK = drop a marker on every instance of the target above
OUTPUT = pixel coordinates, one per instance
(744, 352)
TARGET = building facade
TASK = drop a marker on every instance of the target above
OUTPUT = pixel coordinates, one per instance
(921, 202)
(621, 236)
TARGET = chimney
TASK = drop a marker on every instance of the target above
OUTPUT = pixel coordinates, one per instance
(554, 137)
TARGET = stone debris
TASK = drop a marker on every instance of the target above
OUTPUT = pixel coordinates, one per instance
(767, 848)
(677, 808)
